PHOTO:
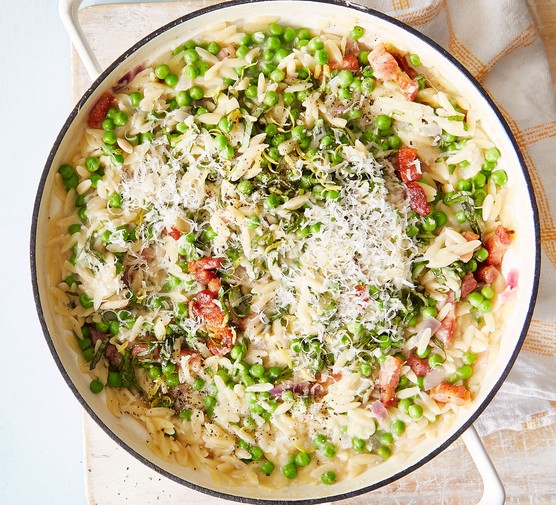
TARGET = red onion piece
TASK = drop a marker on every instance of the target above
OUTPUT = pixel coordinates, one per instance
(379, 410)
(433, 378)
(127, 78)
(511, 285)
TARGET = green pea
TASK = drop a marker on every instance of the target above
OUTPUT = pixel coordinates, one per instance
(198, 384)
(321, 57)
(383, 122)
(246, 40)
(328, 477)
(440, 218)
(302, 459)
(271, 98)
(274, 372)
(190, 56)
(384, 451)
(257, 370)
(368, 84)
(114, 327)
(109, 138)
(358, 444)
(479, 180)
(464, 372)
(481, 254)
(460, 217)
(489, 166)
(435, 360)
(74, 228)
(415, 60)
(102, 326)
(345, 78)
(114, 379)
(487, 292)
(121, 118)
(386, 438)
(96, 386)
(329, 450)
(135, 99)
(315, 44)
(210, 234)
(185, 415)
(394, 141)
(289, 34)
(363, 58)
(357, 32)
(272, 201)
(475, 299)
(296, 345)
(213, 48)
(415, 411)
(196, 92)
(146, 137)
(253, 221)
(485, 306)
(85, 301)
(92, 164)
(492, 154)
(319, 441)
(289, 471)
(469, 358)
(115, 200)
(398, 428)
(429, 312)
(209, 402)
(404, 405)
(220, 142)
(107, 125)
(267, 467)
(499, 177)
(172, 380)
(464, 185)
(154, 372)
(273, 42)
(428, 224)
(161, 71)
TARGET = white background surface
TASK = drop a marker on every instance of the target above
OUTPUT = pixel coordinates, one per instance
(41, 455)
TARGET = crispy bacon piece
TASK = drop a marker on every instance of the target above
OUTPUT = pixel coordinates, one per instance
(409, 165)
(450, 393)
(496, 246)
(447, 326)
(487, 274)
(203, 306)
(349, 62)
(417, 199)
(388, 380)
(404, 65)
(173, 232)
(468, 284)
(202, 270)
(386, 68)
(221, 341)
(97, 114)
(420, 366)
(222, 337)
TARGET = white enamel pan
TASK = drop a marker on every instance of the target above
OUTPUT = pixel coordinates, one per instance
(525, 256)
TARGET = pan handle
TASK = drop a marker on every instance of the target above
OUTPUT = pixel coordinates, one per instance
(69, 14)
(493, 489)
